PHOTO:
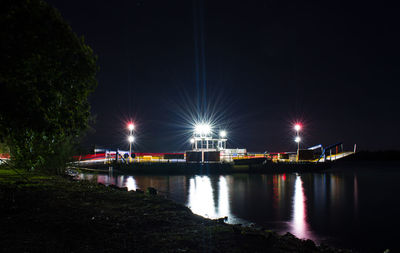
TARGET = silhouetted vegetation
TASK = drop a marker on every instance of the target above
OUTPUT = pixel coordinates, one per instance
(4, 148)
(46, 75)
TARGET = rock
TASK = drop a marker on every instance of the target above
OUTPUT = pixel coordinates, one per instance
(289, 235)
(237, 229)
(222, 220)
(113, 186)
(151, 191)
(310, 245)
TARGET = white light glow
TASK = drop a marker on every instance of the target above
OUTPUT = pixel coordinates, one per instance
(297, 139)
(201, 200)
(297, 127)
(131, 138)
(202, 129)
(192, 140)
(222, 133)
(299, 215)
(131, 184)
(223, 199)
(131, 126)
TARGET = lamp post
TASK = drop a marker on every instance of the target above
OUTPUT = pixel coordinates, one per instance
(297, 128)
(222, 135)
(192, 140)
(130, 139)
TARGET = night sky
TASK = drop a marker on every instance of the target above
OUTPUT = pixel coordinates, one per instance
(334, 66)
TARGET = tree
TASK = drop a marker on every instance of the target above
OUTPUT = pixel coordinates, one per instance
(46, 75)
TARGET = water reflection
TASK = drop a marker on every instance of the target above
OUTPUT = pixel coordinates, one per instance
(223, 201)
(131, 184)
(280, 187)
(355, 193)
(299, 224)
(308, 205)
(201, 197)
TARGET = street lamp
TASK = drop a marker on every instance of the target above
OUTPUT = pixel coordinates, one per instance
(130, 138)
(297, 128)
(222, 134)
(192, 141)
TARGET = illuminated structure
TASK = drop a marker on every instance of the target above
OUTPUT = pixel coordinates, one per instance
(210, 146)
(203, 140)
(130, 139)
(206, 148)
(297, 128)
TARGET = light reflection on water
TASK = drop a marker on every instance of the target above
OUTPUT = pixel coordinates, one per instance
(299, 212)
(324, 207)
(131, 184)
(209, 196)
(201, 198)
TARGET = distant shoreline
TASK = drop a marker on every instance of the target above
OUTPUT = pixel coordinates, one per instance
(365, 155)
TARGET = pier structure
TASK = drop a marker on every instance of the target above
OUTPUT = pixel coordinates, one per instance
(203, 139)
(206, 147)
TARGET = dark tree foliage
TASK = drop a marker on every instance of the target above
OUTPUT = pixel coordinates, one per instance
(46, 75)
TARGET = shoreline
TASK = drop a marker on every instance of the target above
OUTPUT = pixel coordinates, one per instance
(64, 215)
(207, 168)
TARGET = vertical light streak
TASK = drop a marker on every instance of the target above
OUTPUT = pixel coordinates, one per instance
(223, 198)
(299, 222)
(201, 199)
(355, 196)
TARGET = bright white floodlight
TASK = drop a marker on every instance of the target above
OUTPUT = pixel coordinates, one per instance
(297, 139)
(222, 133)
(131, 138)
(297, 127)
(192, 140)
(131, 126)
(202, 129)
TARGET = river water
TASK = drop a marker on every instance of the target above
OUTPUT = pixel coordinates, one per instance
(353, 205)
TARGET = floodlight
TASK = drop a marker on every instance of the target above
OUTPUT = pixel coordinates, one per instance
(131, 126)
(131, 138)
(202, 129)
(222, 133)
(297, 139)
(297, 127)
(207, 129)
(197, 129)
(192, 140)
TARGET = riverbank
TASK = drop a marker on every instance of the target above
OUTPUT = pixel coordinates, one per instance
(57, 214)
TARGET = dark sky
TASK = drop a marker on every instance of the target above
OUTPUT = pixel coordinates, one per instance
(332, 65)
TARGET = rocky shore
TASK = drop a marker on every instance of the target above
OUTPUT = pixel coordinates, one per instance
(58, 214)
